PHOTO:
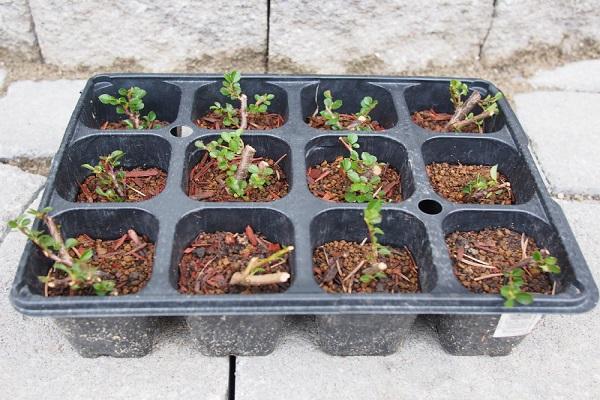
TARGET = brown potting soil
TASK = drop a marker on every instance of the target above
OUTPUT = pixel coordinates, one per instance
(318, 122)
(338, 266)
(481, 259)
(449, 180)
(211, 259)
(329, 182)
(256, 121)
(434, 121)
(141, 184)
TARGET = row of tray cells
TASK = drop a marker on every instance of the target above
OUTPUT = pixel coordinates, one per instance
(164, 99)
(203, 181)
(402, 231)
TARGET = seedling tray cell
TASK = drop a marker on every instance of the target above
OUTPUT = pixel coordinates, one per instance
(420, 221)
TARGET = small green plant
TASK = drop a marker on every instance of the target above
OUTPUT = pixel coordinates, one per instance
(372, 218)
(79, 274)
(332, 118)
(484, 186)
(130, 103)
(225, 149)
(512, 292)
(462, 109)
(232, 89)
(111, 179)
(362, 170)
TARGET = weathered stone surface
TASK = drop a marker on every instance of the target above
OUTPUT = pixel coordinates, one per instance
(17, 190)
(520, 26)
(581, 76)
(2, 77)
(16, 30)
(557, 361)
(37, 361)
(564, 137)
(154, 35)
(360, 36)
(34, 115)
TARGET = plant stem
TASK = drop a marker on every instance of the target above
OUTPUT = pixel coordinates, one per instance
(113, 177)
(461, 112)
(245, 278)
(55, 233)
(479, 117)
(244, 111)
(245, 161)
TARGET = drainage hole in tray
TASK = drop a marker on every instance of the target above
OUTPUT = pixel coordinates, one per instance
(430, 207)
(181, 131)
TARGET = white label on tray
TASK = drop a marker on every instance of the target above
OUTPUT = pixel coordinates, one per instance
(516, 324)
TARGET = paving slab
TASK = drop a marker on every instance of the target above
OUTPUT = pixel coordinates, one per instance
(36, 362)
(559, 360)
(17, 190)
(581, 76)
(564, 137)
(2, 77)
(34, 115)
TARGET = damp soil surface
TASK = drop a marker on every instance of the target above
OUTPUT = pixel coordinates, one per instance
(206, 182)
(121, 126)
(126, 262)
(449, 180)
(338, 266)
(329, 181)
(141, 184)
(481, 258)
(212, 258)
(434, 121)
(346, 121)
(256, 121)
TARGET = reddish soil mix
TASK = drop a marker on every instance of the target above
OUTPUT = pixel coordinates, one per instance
(318, 122)
(207, 182)
(141, 184)
(120, 125)
(329, 182)
(259, 121)
(125, 261)
(210, 261)
(335, 268)
(449, 180)
(481, 258)
(434, 121)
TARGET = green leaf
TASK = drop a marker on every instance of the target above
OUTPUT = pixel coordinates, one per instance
(366, 278)
(106, 99)
(253, 169)
(70, 242)
(352, 138)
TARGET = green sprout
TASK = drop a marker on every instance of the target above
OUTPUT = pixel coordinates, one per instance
(79, 274)
(130, 103)
(332, 118)
(462, 109)
(225, 149)
(372, 218)
(512, 292)
(111, 179)
(362, 170)
(484, 186)
(232, 89)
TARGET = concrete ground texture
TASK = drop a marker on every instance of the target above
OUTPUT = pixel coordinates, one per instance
(559, 360)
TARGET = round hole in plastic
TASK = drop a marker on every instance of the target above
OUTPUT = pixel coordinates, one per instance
(429, 206)
(181, 131)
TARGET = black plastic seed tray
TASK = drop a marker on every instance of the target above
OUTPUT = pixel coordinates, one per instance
(420, 221)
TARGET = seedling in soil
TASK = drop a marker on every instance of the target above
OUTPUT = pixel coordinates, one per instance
(79, 275)
(372, 218)
(130, 103)
(361, 121)
(511, 291)
(463, 116)
(232, 89)
(225, 150)
(111, 179)
(253, 274)
(481, 186)
(363, 171)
